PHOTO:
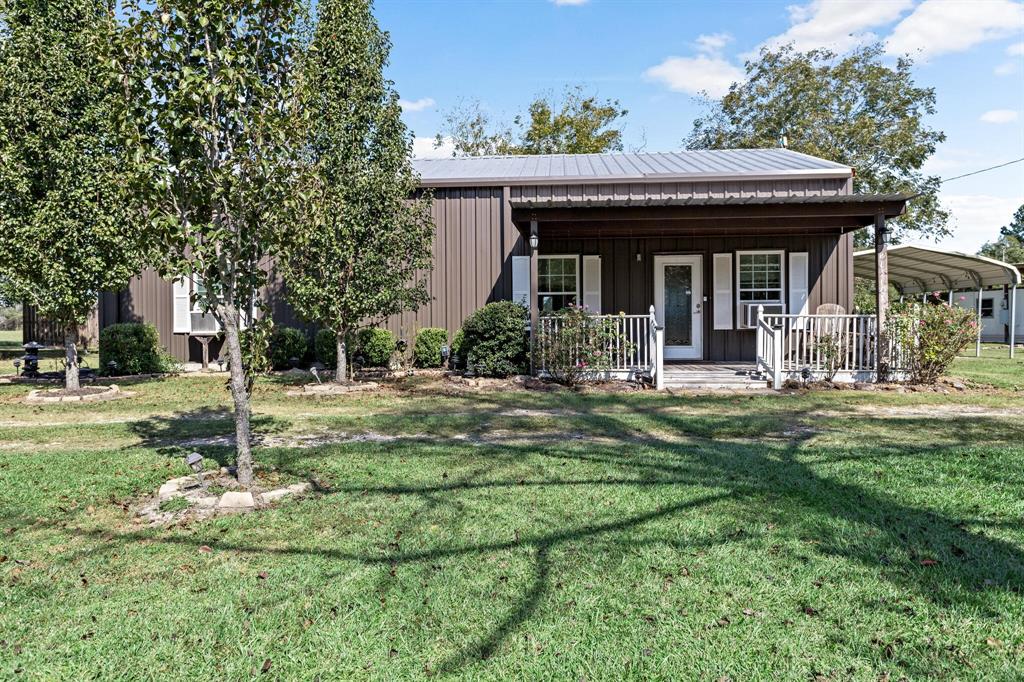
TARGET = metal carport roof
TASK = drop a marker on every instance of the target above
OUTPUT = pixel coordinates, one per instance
(920, 269)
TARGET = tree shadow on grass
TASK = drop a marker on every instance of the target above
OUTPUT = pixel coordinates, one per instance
(209, 430)
(778, 482)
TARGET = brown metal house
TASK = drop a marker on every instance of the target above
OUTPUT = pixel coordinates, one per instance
(703, 237)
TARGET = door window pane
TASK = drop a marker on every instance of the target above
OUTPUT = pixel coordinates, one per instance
(678, 305)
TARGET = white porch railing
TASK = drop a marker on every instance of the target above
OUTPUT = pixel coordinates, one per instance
(636, 352)
(814, 346)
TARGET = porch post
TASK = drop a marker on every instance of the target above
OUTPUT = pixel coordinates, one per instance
(881, 296)
(534, 311)
(1013, 318)
(977, 343)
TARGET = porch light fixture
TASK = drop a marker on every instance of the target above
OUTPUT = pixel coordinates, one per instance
(639, 257)
(534, 241)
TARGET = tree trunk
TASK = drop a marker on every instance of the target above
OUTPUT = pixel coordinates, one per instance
(71, 382)
(243, 447)
(341, 367)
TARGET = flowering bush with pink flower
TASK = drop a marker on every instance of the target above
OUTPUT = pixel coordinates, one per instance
(574, 345)
(928, 337)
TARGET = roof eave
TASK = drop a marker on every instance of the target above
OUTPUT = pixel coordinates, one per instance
(818, 174)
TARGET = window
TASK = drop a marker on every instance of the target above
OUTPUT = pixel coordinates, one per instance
(558, 282)
(987, 307)
(760, 276)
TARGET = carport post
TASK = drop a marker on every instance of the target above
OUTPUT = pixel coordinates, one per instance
(1013, 318)
(977, 344)
(881, 296)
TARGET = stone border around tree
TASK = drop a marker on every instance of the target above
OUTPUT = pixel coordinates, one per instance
(200, 503)
(333, 389)
(84, 395)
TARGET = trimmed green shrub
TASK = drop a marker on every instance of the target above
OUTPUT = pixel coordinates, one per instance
(427, 349)
(327, 347)
(494, 341)
(135, 348)
(286, 343)
(375, 345)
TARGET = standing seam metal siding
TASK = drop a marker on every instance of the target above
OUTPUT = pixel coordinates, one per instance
(475, 239)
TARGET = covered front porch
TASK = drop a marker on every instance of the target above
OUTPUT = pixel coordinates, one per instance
(702, 280)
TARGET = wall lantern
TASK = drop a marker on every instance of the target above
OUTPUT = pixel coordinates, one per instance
(639, 257)
(534, 241)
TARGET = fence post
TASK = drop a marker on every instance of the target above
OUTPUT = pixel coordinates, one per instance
(659, 336)
(777, 358)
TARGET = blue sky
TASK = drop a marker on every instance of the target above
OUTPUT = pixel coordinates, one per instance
(654, 56)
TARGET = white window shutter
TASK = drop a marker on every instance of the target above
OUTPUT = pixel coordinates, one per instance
(798, 287)
(182, 306)
(521, 279)
(721, 274)
(592, 283)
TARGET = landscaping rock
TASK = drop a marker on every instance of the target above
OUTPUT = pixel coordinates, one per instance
(236, 501)
(333, 388)
(84, 394)
(275, 495)
(168, 490)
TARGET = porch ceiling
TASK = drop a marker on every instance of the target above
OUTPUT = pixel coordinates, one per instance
(920, 269)
(663, 216)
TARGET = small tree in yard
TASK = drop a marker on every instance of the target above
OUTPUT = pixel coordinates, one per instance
(364, 243)
(68, 228)
(211, 85)
(928, 337)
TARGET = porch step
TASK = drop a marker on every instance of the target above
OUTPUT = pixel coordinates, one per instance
(713, 376)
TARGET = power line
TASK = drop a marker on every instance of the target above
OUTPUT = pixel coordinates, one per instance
(983, 170)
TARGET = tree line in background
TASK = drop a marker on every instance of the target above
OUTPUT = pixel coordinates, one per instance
(215, 140)
(852, 109)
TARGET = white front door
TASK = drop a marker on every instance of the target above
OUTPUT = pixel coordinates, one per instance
(678, 304)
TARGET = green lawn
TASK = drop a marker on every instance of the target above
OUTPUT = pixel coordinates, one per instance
(523, 535)
(994, 367)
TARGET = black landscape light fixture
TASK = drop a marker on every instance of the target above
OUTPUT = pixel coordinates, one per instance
(17, 365)
(446, 353)
(111, 367)
(194, 461)
(220, 363)
(805, 374)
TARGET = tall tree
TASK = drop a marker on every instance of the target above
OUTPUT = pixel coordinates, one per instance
(68, 227)
(211, 85)
(364, 242)
(576, 124)
(1009, 247)
(852, 109)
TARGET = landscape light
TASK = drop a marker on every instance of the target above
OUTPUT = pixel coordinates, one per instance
(194, 461)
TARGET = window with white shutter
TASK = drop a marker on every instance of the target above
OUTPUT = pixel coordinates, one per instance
(798, 285)
(521, 279)
(592, 283)
(721, 287)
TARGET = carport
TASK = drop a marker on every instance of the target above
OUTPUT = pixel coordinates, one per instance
(921, 270)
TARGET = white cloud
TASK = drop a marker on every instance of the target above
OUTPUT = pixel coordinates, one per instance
(562, 3)
(938, 26)
(999, 116)
(423, 148)
(712, 43)
(1005, 69)
(695, 75)
(416, 104)
(977, 219)
(837, 24)
(1015, 49)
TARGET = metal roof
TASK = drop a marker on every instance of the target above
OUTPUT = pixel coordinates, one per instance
(920, 269)
(712, 164)
(849, 199)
